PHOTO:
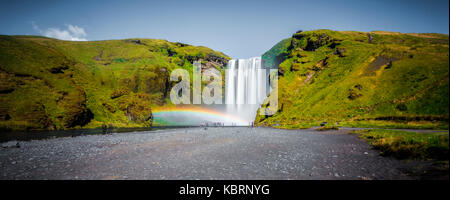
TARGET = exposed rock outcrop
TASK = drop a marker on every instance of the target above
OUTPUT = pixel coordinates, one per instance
(76, 113)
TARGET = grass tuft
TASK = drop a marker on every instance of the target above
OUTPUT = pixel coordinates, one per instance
(327, 128)
(404, 144)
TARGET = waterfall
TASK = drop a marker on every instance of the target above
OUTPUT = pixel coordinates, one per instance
(245, 88)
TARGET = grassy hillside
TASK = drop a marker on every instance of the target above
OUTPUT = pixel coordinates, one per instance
(376, 79)
(52, 84)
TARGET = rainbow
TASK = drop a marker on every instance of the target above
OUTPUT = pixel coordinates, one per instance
(198, 114)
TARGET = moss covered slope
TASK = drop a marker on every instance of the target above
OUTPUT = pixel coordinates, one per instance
(52, 84)
(380, 79)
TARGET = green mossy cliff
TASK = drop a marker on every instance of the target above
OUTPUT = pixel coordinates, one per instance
(48, 84)
(377, 79)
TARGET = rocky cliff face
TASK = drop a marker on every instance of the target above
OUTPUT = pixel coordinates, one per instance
(52, 84)
(368, 79)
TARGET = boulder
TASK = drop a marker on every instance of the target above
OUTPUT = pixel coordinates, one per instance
(11, 144)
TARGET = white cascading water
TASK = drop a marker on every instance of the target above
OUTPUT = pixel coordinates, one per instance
(245, 89)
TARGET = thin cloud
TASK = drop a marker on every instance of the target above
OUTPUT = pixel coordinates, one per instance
(35, 27)
(72, 33)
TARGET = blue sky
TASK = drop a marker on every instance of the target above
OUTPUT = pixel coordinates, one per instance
(240, 29)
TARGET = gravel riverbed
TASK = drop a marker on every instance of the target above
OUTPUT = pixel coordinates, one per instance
(206, 153)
